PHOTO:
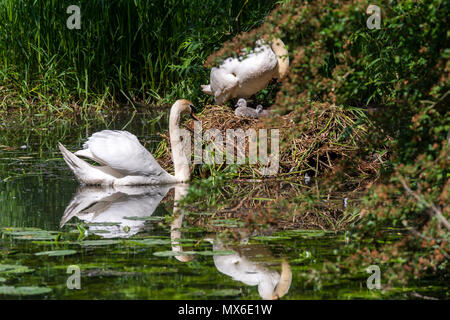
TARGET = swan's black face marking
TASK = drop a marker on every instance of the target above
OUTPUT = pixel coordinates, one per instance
(192, 114)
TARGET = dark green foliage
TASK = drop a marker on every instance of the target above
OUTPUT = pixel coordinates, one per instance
(399, 74)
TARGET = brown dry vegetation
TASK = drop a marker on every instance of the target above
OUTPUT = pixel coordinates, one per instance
(316, 142)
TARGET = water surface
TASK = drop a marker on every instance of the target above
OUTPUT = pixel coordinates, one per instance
(137, 243)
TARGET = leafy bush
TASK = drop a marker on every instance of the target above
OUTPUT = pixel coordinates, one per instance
(398, 75)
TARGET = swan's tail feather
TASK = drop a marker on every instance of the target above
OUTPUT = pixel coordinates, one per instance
(72, 160)
(206, 88)
(84, 172)
(77, 165)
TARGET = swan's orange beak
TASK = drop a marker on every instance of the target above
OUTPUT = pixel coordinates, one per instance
(191, 108)
(194, 116)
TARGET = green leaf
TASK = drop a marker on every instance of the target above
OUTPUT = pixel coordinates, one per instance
(99, 242)
(23, 291)
(216, 253)
(56, 253)
(271, 238)
(14, 269)
(224, 293)
(172, 253)
(104, 224)
(200, 253)
(150, 218)
(149, 242)
(31, 234)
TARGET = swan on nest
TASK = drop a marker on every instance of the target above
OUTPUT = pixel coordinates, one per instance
(245, 75)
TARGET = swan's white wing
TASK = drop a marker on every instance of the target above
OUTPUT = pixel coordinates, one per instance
(256, 70)
(259, 61)
(121, 151)
(245, 75)
(206, 88)
(223, 84)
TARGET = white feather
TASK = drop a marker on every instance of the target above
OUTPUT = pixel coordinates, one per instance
(247, 74)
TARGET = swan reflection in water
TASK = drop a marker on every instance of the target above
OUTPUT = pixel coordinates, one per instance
(250, 265)
(111, 208)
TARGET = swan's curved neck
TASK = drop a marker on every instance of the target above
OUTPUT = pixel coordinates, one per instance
(281, 52)
(179, 158)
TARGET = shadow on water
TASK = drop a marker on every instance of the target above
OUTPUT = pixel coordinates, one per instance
(146, 243)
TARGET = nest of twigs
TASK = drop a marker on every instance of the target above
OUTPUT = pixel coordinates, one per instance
(318, 141)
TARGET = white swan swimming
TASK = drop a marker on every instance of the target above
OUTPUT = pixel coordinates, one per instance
(249, 73)
(243, 111)
(124, 161)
